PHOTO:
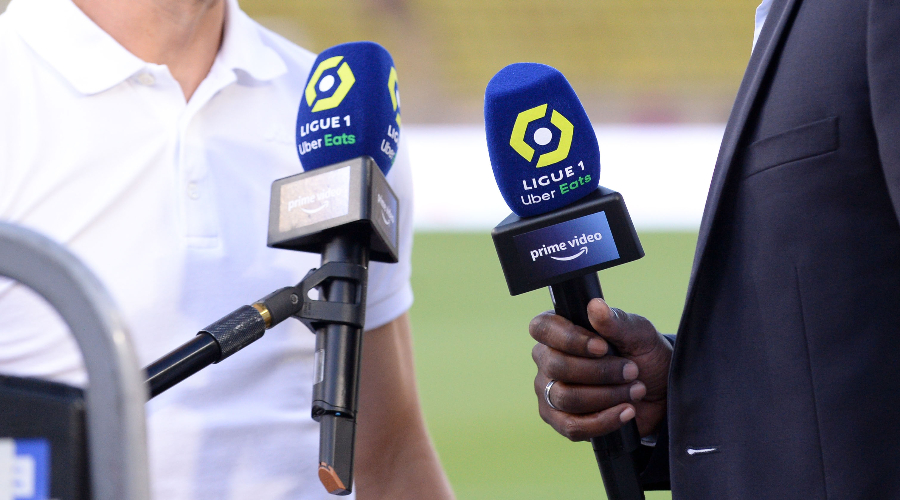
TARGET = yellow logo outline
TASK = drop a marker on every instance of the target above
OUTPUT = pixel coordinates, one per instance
(517, 138)
(347, 81)
(392, 88)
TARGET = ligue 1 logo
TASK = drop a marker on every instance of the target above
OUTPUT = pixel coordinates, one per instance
(394, 90)
(542, 136)
(325, 83)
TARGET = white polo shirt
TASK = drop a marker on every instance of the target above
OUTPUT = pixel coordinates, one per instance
(167, 202)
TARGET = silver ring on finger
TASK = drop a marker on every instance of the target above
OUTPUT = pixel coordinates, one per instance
(547, 394)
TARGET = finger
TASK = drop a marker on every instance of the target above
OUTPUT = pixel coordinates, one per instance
(584, 427)
(561, 334)
(630, 333)
(582, 399)
(608, 370)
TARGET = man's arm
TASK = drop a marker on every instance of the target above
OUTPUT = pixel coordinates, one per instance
(394, 455)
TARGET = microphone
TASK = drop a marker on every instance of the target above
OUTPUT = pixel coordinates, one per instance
(350, 107)
(564, 227)
(535, 127)
(348, 131)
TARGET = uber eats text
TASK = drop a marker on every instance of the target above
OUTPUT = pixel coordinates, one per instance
(564, 179)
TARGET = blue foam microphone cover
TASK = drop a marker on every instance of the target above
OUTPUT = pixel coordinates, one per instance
(350, 107)
(541, 143)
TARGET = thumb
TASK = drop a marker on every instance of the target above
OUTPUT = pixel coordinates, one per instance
(630, 334)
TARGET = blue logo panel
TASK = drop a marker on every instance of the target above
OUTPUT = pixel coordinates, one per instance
(24, 469)
(566, 247)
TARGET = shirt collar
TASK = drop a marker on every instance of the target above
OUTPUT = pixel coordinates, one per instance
(67, 39)
(762, 12)
(243, 48)
(93, 61)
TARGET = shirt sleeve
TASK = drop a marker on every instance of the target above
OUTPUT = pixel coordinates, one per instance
(389, 293)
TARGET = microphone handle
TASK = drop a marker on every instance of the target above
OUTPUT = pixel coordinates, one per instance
(336, 391)
(614, 450)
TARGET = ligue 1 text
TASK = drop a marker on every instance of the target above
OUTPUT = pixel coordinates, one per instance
(323, 124)
(393, 133)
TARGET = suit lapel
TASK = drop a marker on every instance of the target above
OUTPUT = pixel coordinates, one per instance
(769, 38)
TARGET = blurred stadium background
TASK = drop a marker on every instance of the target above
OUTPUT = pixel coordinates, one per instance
(657, 79)
(629, 60)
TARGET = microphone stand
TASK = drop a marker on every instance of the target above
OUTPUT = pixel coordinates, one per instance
(338, 323)
(359, 225)
(247, 324)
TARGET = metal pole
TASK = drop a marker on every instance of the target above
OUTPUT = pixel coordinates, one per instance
(116, 392)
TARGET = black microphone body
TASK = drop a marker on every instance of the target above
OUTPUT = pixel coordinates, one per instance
(350, 218)
(613, 451)
(338, 354)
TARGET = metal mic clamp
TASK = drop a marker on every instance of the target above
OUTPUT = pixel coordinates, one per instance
(335, 321)
(247, 324)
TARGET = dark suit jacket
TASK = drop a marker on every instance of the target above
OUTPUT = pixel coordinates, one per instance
(785, 382)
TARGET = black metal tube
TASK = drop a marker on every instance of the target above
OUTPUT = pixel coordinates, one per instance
(614, 450)
(184, 361)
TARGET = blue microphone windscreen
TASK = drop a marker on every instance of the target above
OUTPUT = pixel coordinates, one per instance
(541, 143)
(350, 107)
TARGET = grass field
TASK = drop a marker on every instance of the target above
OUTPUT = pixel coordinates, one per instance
(473, 360)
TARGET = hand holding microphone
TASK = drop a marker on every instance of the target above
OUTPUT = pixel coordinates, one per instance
(564, 229)
(594, 393)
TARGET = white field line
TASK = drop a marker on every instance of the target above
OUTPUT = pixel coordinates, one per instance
(663, 172)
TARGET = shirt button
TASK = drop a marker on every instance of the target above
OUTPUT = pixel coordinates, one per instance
(193, 191)
(146, 79)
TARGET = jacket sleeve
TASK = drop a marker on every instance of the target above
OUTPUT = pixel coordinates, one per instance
(883, 63)
(653, 461)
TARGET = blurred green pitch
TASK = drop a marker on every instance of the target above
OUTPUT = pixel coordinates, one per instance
(474, 367)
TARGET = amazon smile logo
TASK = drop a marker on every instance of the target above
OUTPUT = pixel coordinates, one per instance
(566, 250)
(387, 215)
(314, 210)
(583, 251)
